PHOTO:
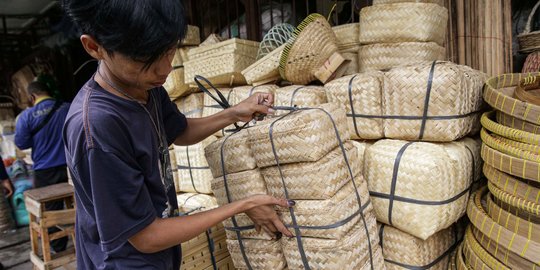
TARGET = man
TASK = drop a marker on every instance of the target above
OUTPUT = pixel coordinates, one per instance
(4, 178)
(40, 128)
(117, 135)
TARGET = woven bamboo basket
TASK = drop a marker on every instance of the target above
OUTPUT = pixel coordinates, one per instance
(266, 69)
(237, 155)
(212, 39)
(192, 37)
(530, 41)
(506, 132)
(460, 261)
(239, 185)
(382, 2)
(312, 45)
(261, 254)
(516, 123)
(361, 147)
(200, 258)
(532, 63)
(319, 180)
(189, 202)
(404, 251)
(403, 22)
(221, 63)
(193, 245)
(509, 147)
(520, 188)
(499, 94)
(245, 227)
(383, 56)
(412, 171)
(517, 211)
(243, 92)
(529, 207)
(376, 109)
(506, 238)
(210, 105)
(352, 68)
(342, 208)
(347, 35)
(181, 56)
(224, 264)
(193, 170)
(509, 164)
(175, 86)
(191, 106)
(350, 252)
(300, 96)
(477, 255)
(302, 136)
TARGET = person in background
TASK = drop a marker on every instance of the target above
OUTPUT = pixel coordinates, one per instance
(40, 128)
(4, 178)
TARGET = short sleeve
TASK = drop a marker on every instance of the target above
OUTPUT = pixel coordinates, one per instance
(122, 203)
(174, 121)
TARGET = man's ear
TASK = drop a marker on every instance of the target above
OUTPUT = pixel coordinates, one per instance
(92, 47)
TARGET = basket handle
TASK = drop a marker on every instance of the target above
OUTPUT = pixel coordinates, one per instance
(529, 20)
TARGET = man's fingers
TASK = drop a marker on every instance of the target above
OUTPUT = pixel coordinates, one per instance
(281, 227)
(258, 228)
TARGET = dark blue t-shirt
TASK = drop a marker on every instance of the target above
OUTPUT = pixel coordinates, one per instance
(112, 153)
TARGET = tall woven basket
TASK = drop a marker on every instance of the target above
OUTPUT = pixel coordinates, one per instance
(530, 41)
(383, 56)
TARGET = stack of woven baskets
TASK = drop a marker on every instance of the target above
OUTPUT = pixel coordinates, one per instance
(505, 224)
(349, 44)
(304, 156)
(529, 42)
(394, 33)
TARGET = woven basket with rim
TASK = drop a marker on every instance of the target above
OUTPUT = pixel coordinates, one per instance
(318, 180)
(516, 123)
(193, 170)
(301, 136)
(384, 56)
(507, 132)
(299, 95)
(266, 69)
(240, 186)
(378, 110)
(221, 63)
(237, 155)
(347, 35)
(188, 202)
(192, 37)
(403, 22)
(401, 248)
(352, 68)
(502, 197)
(510, 147)
(475, 254)
(530, 41)
(243, 92)
(261, 254)
(532, 63)
(191, 106)
(175, 85)
(520, 188)
(412, 170)
(311, 45)
(350, 252)
(499, 94)
(382, 2)
(341, 209)
(497, 234)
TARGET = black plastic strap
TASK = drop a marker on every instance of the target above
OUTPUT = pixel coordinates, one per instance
(381, 235)
(211, 248)
(220, 99)
(421, 202)
(177, 67)
(337, 224)
(181, 167)
(394, 180)
(47, 118)
(190, 170)
(352, 106)
(294, 94)
(426, 101)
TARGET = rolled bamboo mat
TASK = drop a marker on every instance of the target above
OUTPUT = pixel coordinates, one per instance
(193, 170)
(301, 136)
(404, 251)
(383, 56)
(511, 165)
(512, 241)
(300, 96)
(191, 106)
(480, 35)
(303, 180)
(231, 153)
(521, 188)
(516, 123)
(407, 190)
(261, 254)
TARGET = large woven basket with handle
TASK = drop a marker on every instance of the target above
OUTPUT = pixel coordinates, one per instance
(260, 254)
(403, 22)
(530, 41)
(417, 187)
(299, 95)
(382, 56)
(193, 170)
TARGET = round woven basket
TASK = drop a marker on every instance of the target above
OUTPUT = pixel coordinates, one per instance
(301, 136)
(239, 185)
(512, 165)
(312, 43)
(347, 35)
(384, 56)
(521, 188)
(516, 123)
(499, 94)
(459, 259)
(352, 68)
(532, 63)
(402, 250)
(516, 202)
(407, 190)
(512, 241)
(195, 202)
(509, 147)
(530, 41)
(237, 155)
(300, 96)
(241, 93)
(261, 254)
(266, 69)
(403, 22)
(278, 35)
(507, 132)
(193, 170)
(477, 255)
(349, 252)
(303, 180)
(191, 106)
(382, 2)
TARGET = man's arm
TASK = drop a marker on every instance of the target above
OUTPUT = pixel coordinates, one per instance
(23, 138)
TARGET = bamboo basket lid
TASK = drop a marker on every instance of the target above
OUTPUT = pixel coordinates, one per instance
(521, 188)
(499, 93)
(266, 69)
(238, 186)
(512, 241)
(507, 132)
(382, 2)
(510, 164)
(261, 254)
(318, 180)
(407, 190)
(476, 255)
(305, 135)
(300, 96)
(232, 152)
(516, 123)
(383, 56)
(402, 250)
(509, 147)
(195, 202)
(403, 22)
(192, 105)
(243, 92)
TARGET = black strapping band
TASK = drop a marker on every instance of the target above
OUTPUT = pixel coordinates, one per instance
(211, 248)
(190, 171)
(394, 180)
(426, 102)
(352, 106)
(294, 94)
(181, 167)
(381, 236)
(422, 202)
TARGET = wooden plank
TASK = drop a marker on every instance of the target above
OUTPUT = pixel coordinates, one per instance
(58, 217)
(15, 237)
(15, 255)
(50, 193)
(33, 207)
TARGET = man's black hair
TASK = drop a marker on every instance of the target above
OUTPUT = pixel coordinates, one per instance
(38, 88)
(143, 30)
